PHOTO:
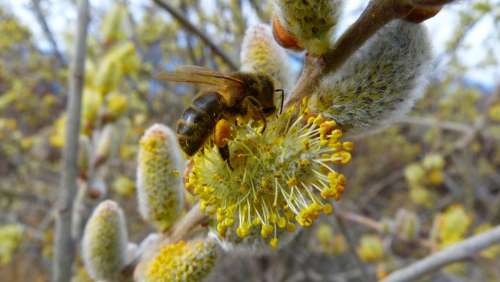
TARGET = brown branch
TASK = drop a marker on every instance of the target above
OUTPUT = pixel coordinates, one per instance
(431, 2)
(48, 33)
(193, 29)
(454, 253)
(376, 15)
(64, 247)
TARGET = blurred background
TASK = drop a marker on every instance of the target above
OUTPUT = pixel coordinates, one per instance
(439, 166)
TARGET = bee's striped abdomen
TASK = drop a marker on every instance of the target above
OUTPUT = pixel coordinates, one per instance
(198, 121)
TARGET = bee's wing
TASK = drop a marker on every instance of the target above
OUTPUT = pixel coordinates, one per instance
(203, 76)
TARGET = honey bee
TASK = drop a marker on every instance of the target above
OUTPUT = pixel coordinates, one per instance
(222, 96)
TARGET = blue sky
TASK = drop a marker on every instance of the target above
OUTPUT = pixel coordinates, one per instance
(62, 17)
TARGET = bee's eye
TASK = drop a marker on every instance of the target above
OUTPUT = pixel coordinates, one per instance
(269, 110)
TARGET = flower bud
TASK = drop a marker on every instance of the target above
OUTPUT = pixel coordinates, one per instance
(159, 181)
(379, 82)
(309, 22)
(104, 245)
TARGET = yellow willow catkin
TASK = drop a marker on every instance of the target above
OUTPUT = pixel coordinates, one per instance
(281, 179)
(159, 181)
(182, 261)
(310, 22)
(261, 53)
(104, 244)
(380, 82)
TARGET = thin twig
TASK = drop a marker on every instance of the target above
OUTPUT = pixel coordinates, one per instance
(454, 253)
(374, 225)
(64, 245)
(48, 33)
(431, 121)
(193, 29)
(377, 14)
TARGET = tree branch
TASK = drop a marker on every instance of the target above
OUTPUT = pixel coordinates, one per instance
(64, 247)
(431, 121)
(193, 29)
(449, 255)
(48, 33)
(377, 14)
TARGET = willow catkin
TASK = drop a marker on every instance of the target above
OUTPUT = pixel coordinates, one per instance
(379, 82)
(311, 23)
(182, 261)
(159, 181)
(104, 244)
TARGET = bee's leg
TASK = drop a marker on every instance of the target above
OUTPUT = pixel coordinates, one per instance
(222, 135)
(224, 153)
(256, 109)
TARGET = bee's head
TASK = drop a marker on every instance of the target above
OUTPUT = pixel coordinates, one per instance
(266, 95)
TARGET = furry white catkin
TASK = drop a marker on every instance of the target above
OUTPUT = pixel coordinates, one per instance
(104, 244)
(380, 82)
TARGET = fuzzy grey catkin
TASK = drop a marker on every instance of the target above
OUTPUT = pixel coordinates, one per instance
(104, 245)
(380, 82)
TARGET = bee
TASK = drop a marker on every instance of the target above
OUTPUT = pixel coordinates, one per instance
(222, 96)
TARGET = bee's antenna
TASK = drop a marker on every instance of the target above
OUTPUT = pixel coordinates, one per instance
(282, 98)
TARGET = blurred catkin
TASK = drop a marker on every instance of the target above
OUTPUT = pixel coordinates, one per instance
(407, 225)
(370, 248)
(159, 181)
(309, 22)
(104, 244)
(379, 82)
(261, 53)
